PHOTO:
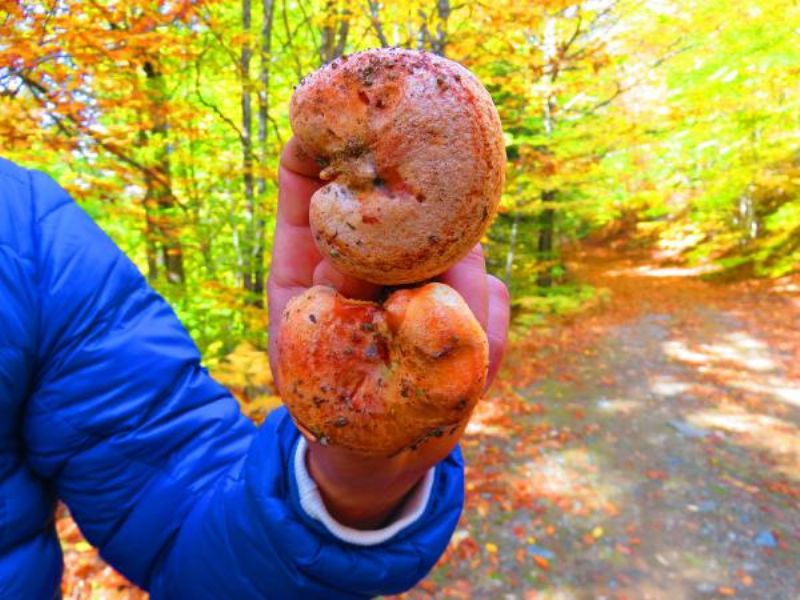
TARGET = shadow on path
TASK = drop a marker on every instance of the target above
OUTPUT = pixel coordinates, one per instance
(650, 450)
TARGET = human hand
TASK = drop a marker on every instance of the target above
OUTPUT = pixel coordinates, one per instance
(362, 491)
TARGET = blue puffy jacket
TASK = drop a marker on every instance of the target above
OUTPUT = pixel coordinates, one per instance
(104, 404)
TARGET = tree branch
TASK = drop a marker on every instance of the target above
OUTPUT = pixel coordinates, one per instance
(210, 105)
(37, 89)
(375, 20)
(290, 41)
(624, 89)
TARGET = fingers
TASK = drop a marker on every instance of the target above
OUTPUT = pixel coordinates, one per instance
(497, 326)
(468, 278)
(297, 263)
(294, 254)
(488, 298)
(351, 287)
(297, 182)
(295, 159)
(278, 297)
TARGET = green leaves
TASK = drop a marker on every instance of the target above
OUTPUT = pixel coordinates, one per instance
(682, 115)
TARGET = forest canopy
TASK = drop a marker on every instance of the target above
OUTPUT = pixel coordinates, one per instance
(673, 122)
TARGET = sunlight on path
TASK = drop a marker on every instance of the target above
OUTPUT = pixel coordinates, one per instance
(651, 451)
(647, 451)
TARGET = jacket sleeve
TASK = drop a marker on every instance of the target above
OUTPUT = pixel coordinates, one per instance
(179, 491)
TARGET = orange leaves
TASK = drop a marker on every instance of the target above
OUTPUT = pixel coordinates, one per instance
(79, 61)
(590, 502)
(86, 575)
(541, 562)
(746, 579)
(246, 373)
(592, 536)
(428, 586)
(784, 487)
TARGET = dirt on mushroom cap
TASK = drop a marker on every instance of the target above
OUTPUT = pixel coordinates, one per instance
(412, 146)
(380, 379)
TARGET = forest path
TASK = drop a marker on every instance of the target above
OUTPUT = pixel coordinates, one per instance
(650, 449)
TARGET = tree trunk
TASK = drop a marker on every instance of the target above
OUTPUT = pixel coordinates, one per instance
(512, 242)
(205, 239)
(237, 250)
(547, 220)
(436, 43)
(151, 234)
(265, 55)
(439, 44)
(747, 218)
(247, 149)
(160, 204)
(375, 20)
(334, 32)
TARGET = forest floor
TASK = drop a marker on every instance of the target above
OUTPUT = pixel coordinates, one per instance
(650, 449)
(647, 449)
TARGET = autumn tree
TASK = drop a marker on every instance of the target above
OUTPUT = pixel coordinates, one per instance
(673, 120)
(72, 74)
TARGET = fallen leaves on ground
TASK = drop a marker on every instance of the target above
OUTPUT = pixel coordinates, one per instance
(645, 447)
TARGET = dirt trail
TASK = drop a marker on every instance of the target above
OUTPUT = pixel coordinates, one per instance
(648, 450)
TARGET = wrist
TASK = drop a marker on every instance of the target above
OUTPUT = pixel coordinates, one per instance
(361, 492)
(410, 511)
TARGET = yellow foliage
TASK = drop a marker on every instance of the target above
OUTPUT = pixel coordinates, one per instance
(246, 373)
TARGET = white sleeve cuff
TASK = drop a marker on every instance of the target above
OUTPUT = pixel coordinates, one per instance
(311, 501)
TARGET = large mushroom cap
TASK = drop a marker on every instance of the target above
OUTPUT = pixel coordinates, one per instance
(379, 379)
(413, 151)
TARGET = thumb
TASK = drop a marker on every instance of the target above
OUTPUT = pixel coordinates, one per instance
(351, 287)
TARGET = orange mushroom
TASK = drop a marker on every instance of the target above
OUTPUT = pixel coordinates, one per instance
(378, 379)
(413, 152)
